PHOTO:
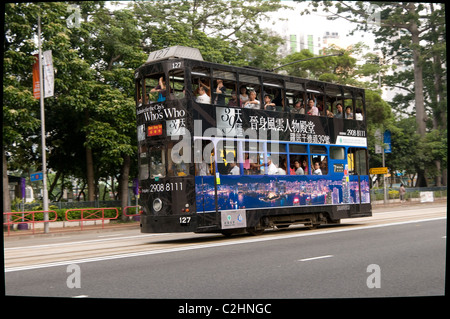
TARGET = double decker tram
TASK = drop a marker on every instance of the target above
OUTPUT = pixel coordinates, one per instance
(229, 149)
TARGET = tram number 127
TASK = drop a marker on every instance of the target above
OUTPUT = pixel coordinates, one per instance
(185, 220)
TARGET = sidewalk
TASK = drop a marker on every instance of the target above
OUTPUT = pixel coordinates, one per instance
(380, 206)
(111, 226)
(58, 231)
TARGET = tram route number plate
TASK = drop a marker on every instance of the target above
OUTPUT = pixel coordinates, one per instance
(185, 220)
(233, 219)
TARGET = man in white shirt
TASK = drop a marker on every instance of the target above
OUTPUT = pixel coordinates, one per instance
(203, 97)
(234, 169)
(252, 103)
(271, 167)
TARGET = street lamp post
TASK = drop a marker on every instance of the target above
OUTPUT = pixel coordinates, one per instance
(44, 159)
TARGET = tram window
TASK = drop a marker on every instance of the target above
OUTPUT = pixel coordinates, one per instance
(224, 85)
(319, 165)
(204, 158)
(337, 153)
(178, 159)
(297, 148)
(155, 87)
(295, 94)
(359, 108)
(176, 81)
(274, 89)
(201, 84)
(315, 92)
(348, 106)
(157, 163)
(276, 164)
(143, 163)
(357, 161)
(253, 99)
(226, 154)
(140, 93)
(253, 163)
(276, 147)
(334, 96)
(317, 149)
(298, 164)
(247, 85)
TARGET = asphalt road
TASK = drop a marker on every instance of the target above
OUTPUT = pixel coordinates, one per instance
(393, 254)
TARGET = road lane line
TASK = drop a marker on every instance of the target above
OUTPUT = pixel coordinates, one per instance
(211, 245)
(315, 258)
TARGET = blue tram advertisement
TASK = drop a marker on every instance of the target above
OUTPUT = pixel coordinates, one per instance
(229, 149)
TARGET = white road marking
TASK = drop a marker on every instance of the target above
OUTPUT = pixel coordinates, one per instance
(111, 235)
(211, 245)
(314, 258)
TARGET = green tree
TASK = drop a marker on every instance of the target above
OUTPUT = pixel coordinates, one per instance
(20, 109)
(224, 31)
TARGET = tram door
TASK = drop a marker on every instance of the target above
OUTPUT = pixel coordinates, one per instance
(357, 166)
(205, 191)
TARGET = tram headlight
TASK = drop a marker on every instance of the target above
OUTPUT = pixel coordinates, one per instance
(157, 205)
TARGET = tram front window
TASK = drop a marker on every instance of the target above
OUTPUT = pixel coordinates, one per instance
(179, 159)
(157, 163)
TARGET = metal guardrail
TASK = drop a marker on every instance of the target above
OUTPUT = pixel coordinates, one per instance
(137, 209)
(28, 217)
(90, 214)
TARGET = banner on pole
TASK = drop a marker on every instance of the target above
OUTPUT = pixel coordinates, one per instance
(49, 77)
(36, 85)
(387, 142)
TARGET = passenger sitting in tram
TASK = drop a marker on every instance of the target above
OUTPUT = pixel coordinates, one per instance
(268, 104)
(358, 114)
(272, 169)
(317, 170)
(252, 103)
(234, 100)
(283, 167)
(312, 109)
(298, 169)
(243, 97)
(348, 113)
(339, 114)
(298, 108)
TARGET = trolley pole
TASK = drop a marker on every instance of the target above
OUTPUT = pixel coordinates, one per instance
(44, 159)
